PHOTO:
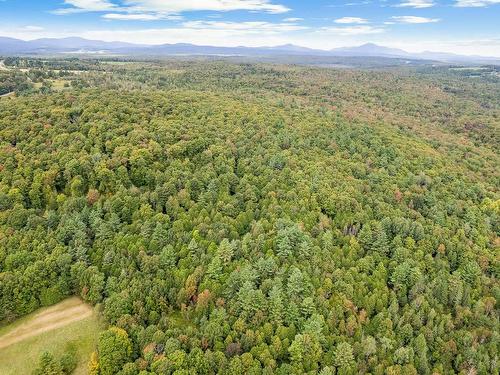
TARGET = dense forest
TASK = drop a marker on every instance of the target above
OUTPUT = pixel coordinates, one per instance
(233, 218)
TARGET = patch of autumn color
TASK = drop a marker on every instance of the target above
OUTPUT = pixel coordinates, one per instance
(184, 339)
(203, 299)
(349, 305)
(93, 366)
(398, 195)
(92, 197)
(362, 316)
(149, 348)
(441, 249)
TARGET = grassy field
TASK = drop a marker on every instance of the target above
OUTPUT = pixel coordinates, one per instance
(50, 329)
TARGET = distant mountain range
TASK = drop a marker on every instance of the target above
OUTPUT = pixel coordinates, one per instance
(11, 46)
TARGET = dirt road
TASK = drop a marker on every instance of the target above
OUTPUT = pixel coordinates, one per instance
(60, 315)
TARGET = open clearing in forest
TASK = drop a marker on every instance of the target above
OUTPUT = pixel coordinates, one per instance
(53, 317)
(49, 329)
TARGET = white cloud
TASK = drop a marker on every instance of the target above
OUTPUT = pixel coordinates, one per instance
(293, 19)
(132, 17)
(32, 28)
(171, 6)
(229, 34)
(78, 6)
(414, 19)
(356, 20)
(475, 3)
(245, 27)
(418, 4)
(178, 6)
(140, 16)
(360, 3)
(353, 30)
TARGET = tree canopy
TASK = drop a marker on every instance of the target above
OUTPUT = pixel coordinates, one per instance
(248, 218)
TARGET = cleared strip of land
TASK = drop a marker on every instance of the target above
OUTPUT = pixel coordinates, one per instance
(60, 315)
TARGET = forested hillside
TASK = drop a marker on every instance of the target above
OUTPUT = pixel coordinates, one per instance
(259, 219)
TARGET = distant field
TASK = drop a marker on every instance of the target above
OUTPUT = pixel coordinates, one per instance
(49, 329)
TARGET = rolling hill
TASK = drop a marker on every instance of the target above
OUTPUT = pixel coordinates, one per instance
(73, 45)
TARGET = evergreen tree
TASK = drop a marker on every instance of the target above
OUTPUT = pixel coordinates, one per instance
(344, 357)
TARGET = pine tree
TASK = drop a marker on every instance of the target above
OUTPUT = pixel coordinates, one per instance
(296, 284)
(421, 360)
(380, 242)
(225, 251)
(214, 269)
(344, 357)
(276, 305)
(307, 307)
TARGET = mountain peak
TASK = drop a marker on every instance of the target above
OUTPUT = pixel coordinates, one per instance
(370, 49)
(10, 46)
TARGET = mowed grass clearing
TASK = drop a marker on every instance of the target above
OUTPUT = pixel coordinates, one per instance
(49, 329)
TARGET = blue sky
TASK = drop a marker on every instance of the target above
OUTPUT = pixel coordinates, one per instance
(461, 26)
